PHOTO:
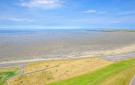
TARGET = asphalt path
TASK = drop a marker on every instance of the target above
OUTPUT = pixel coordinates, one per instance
(132, 81)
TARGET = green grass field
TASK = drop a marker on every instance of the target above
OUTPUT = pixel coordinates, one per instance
(5, 75)
(119, 73)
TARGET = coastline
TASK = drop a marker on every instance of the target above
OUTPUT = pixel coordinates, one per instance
(108, 58)
(116, 54)
(38, 60)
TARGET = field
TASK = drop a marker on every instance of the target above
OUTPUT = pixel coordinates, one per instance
(83, 71)
(42, 73)
(119, 73)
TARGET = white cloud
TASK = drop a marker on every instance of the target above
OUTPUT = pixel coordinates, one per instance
(127, 20)
(102, 12)
(15, 19)
(20, 19)
(44, 4)
(90, 11)
(126, 13)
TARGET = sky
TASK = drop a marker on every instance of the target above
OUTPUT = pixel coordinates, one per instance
(67, 14)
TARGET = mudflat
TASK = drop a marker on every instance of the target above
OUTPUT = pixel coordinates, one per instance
(27, 45)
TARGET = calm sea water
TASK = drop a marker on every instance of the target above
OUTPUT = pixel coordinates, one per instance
(29, 44)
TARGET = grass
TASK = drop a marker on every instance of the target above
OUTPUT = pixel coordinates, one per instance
(6, 74)
(42, 73)
(119, 73)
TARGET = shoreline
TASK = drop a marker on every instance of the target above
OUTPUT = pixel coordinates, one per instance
(110, 55)
(19, 62)
(105, 57)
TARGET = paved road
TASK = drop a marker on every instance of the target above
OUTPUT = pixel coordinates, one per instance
(132, 81)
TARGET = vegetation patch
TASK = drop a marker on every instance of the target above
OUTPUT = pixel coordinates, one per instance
(6, 74)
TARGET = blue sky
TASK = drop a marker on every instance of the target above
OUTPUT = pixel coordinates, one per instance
(67, 14)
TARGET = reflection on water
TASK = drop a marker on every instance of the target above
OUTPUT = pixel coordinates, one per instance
(58, 43)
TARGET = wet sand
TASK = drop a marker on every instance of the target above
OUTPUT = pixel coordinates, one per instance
(119, 54)
(119, 57)
(23, 63)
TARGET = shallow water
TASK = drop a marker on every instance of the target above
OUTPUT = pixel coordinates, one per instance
(18, 45)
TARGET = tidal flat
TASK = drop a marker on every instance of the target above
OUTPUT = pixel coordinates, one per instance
(44, 44)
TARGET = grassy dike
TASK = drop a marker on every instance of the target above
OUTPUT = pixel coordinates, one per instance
(6, 74)
(119, 73)
(45, 72)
